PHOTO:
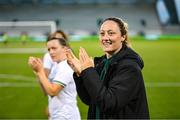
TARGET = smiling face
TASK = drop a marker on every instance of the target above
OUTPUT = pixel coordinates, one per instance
(56, 50)
(110, 37)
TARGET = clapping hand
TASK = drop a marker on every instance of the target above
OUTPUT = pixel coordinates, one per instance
(36, 64)
(73, 62)
(85, 60)
(78, 65)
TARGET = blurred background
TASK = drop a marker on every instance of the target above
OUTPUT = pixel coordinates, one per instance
(154, 30)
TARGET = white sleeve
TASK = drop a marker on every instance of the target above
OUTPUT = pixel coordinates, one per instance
(47, 61)
(64, 74)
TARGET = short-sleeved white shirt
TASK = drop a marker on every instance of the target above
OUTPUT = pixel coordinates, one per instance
(47, 61)
(64, 105)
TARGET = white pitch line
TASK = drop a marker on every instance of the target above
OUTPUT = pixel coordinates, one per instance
(148, 85)
(32, 80)
(22, 50)
(17, 77)
(163, 84)
(11, 84)
(5, 97)
(34, 84)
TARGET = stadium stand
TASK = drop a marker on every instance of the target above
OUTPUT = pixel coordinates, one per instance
(74, 16)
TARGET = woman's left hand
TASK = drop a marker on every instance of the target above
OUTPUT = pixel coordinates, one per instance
(85, 60)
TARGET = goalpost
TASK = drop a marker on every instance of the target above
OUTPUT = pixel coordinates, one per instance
(36, 29)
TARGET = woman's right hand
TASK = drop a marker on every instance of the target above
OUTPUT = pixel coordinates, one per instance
(36, 64)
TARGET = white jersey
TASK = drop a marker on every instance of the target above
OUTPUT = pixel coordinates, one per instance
(47, 61)
(64, 105)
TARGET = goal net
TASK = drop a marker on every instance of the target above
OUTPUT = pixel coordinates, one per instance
(38, 30)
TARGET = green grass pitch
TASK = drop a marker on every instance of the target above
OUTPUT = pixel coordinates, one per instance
(25, 99)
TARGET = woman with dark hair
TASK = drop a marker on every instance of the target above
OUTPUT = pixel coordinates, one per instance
(60, 87)
(47, 61)
(112, 85)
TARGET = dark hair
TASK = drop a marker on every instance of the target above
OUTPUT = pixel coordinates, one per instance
(53, 35)
(123, 26)
(61, 41)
